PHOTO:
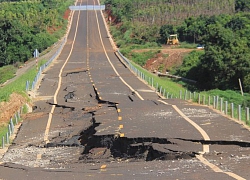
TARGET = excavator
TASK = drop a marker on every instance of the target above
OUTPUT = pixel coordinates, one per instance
(173, 40)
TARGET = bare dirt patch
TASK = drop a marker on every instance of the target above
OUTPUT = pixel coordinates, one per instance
(165, 60)
(8, 109)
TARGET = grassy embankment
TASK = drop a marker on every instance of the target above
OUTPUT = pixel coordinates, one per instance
(17, 86)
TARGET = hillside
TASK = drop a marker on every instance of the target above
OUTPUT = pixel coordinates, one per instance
(160, 12)
(221, 26)
(29, 25)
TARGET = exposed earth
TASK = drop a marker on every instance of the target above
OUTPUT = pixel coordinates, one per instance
(168, 58)
(8, 109)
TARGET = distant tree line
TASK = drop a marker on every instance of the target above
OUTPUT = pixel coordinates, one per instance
(162, 12)
(29, 25)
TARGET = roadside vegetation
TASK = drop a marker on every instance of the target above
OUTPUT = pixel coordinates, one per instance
(29, 25)
(24, 27)
(7, 72)
(222, 27)
(19, 84)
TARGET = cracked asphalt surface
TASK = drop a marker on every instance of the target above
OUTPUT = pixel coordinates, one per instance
(100, 128)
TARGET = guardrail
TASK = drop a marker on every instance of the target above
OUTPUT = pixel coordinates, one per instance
(229, 109)
(5, 140)
(87, 7)
(31, 86)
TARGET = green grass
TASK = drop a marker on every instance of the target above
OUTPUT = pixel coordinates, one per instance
(173, 89)
(186, 45)
(141, 58)
(25, 109)
(7, 72)
(3, 131)
(170, 87)
(19, 84)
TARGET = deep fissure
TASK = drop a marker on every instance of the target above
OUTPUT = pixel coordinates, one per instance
(112, 146)
(218, 142)
(62, 106)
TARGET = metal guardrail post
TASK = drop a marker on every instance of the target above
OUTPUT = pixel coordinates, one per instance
(7, 138)
(185, 96)
(209, 100)
(232, 110)
(3, 145)
(221, 104)
(226, 107)
(199, 98)
(239, 112)
(11, 125)
(164, 91)
(204, 100)
(9, 129)
(180, 94)
(214, 104)
(247, 114)
(217, 102)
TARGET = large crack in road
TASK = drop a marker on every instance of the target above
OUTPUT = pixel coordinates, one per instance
(114, 147)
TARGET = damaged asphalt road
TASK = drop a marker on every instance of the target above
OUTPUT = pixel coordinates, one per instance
(93, 119)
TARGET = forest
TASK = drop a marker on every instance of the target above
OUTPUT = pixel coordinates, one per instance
(223, 27)
(29, 25)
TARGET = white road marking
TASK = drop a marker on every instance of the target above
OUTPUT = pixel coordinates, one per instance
(145, 90)
(46, 133)
(112, 64)
(217, 169)
(205, 147)
(196, 126)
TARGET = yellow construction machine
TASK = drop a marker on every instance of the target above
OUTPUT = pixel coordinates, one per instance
(173, 40)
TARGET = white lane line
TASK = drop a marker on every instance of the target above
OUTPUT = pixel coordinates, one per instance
(112, 64)
(46, 133)
(217, 169)
(163, 102)
(205, 147)
(196, 126)
(145, 90)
